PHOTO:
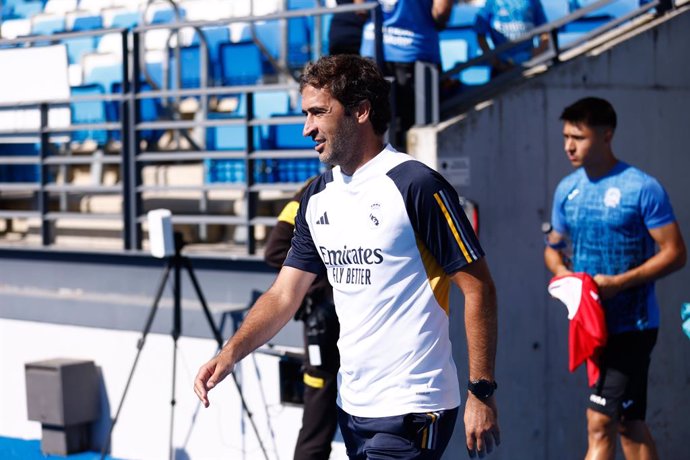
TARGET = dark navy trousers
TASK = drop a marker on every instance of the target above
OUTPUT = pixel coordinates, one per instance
(422, 436)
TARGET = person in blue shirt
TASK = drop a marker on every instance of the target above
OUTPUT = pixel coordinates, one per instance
(623, 232)
(410, 34)
(504, 21)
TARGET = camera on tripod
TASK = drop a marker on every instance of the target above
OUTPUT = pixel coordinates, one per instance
(161, 235)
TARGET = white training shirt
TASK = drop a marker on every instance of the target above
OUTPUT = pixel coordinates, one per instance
(387, 238)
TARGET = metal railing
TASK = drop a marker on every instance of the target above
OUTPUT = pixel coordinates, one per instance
(427, 86)
(132, 158)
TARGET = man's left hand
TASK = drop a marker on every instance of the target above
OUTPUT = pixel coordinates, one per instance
(481, 426)
(609, 285)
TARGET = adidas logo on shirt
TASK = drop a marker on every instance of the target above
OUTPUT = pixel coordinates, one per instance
(323, 220)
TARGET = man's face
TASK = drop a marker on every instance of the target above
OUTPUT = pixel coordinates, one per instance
(585, 145)
(329, 124)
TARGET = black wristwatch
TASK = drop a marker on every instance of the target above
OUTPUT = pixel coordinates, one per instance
(482, 389)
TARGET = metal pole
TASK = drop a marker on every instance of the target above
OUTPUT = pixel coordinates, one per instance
(43, 203)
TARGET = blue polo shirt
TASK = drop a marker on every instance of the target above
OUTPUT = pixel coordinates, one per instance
(508, 20)
(608, 222)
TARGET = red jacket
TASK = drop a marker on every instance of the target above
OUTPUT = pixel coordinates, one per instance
(587, 334)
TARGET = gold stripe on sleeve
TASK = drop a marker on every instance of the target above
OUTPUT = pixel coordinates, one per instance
(453, 229)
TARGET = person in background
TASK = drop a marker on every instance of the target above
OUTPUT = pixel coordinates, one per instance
(504, 21)
(615, 216)
(345, 33)
(321, 331)
(410, 34)
(391, 235)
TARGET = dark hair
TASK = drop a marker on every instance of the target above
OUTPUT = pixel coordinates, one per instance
(351, 80)
(592, 111)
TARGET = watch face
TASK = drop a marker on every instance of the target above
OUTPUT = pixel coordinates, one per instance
(482, 389)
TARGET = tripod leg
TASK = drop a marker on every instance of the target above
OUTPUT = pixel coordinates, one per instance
(219, 340)
(140, 346)
(176, 332)
(172, 400)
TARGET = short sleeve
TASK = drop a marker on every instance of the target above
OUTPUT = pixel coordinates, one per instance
(303, 254)
(557, 213)
(655, 205)
(437, 216)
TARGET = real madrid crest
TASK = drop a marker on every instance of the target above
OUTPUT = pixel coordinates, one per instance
(375, 215)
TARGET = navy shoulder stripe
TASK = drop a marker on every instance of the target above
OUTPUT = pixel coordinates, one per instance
(436, 214)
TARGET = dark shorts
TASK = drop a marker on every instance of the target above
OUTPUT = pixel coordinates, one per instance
(421, 436)
(621, 391)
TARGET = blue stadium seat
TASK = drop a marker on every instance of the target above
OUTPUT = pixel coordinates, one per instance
(154, 70)
(462, 15)
(126, 20)
(556, 9)
(47, 25)
(150, 109)
(166, 16)
(289, 137)
(453, 51)
(300, 31)
(240, 63)
(215, 36)
(77, 47)
(225, 138)
(301, 4)
(299, 42)
(326, 26)
(87, 23)
(105, 75)
(268, 33)
(190, 69)
(19, 172)
(88, 112)
(456, 41)
(266, 104)
(27, 9)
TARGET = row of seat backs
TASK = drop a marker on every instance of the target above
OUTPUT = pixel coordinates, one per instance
(267, 104)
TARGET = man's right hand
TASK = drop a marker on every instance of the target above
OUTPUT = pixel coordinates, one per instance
(211, 374)
(481, 426)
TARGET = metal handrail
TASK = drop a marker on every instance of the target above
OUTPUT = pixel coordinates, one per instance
(546, 28)
(553, 56)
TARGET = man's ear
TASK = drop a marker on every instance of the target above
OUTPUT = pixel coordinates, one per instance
(363, 111)
(608, 135)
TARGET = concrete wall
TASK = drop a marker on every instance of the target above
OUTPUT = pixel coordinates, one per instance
(515, 155)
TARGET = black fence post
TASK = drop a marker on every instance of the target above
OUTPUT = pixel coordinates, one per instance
(131, 179)
(43, 198)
